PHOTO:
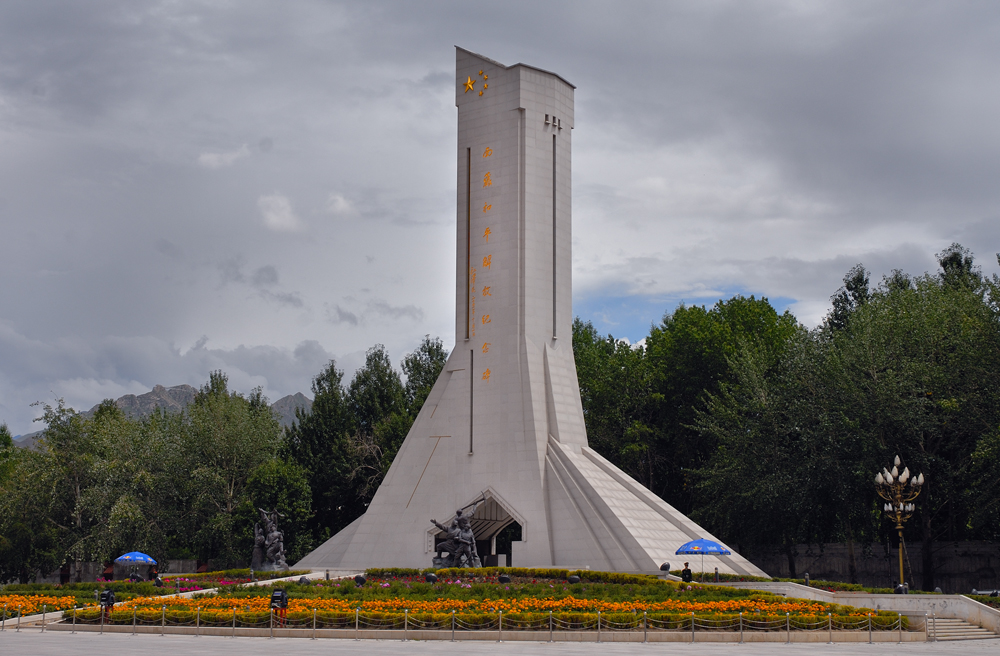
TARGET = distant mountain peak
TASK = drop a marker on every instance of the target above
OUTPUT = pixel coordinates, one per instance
(285, 407)
(175, 399)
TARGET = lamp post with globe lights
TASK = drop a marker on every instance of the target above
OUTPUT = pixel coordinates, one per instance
(899, 489)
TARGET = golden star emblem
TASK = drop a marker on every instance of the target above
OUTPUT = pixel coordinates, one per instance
(468, 85)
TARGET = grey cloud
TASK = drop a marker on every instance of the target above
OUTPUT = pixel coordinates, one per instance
(763, 147)
(291, 299)
(396, 312)
(265, 276)
(169, 248)
(231, 270)
(373, 310)
(337, 314)
(84, 374)
(222, 160)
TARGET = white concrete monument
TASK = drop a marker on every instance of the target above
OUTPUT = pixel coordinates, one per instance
(504, 422)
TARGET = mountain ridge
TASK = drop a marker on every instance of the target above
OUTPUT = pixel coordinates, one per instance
(175, 399)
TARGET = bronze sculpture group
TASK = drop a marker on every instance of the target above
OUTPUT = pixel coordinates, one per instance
(268, 544)
(459, 542)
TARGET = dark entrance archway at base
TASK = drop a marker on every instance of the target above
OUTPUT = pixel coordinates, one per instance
(495, 529)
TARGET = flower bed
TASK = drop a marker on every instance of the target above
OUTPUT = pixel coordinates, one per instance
(993, 602)
(229, 577)
(83, 593)
(326, 618)
(32, 604)
(489, 605)
(477, 598)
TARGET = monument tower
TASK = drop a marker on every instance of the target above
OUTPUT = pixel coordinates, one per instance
(503, 424)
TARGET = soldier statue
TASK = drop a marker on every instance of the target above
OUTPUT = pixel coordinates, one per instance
(269, 544)
(459, 542)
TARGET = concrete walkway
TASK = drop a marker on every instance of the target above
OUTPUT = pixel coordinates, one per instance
(86, 644)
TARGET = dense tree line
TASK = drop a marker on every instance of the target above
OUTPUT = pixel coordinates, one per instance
(767, 433)
(770, 434)
(188, 485)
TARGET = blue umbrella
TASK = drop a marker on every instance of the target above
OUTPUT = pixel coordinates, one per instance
(703, 547)
(135, 557)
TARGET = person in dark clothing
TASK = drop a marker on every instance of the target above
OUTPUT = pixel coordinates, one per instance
(686, 574)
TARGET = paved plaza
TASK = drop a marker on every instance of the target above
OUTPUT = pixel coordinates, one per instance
(36, 643)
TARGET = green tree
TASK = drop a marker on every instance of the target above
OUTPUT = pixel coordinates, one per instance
(689, 356)
(919, 374)
(30, 539)
(6, 452)
(377, 400)
(422, 369)
(376, 391)
(283, 486)
(849, 298)
(750, 491)
(227, 437)
(319, 442)
(617, 396)
(67, 469)
(125, 501)
(786, 467)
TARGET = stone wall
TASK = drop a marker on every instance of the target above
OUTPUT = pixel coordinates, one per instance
(959, 567)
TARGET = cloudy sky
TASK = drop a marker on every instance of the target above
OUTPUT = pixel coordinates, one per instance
(260, 187)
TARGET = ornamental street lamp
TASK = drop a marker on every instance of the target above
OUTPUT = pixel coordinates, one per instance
(899, 489)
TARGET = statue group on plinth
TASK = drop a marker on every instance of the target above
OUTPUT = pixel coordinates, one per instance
(268, 544)
(459, 542)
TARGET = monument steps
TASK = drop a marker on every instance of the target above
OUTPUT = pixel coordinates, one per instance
(945, 629)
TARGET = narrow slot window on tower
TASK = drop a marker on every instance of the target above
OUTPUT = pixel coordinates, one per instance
(468, 238)
(472, 388)
(553, 236)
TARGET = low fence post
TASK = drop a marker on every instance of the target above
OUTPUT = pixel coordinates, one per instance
(934, 625)
(197, 621)
(406, 622)
(453, 626)
(645, 626)
(788, 628)
(829, 626)
(3, 620)
(102, 620)
(500, 628)
(741, 627)
(74, 616)
(163, 621)
(234, 622)
(356, 611)
(270, 624)
(550, 626)
(869, 628)
(133, 620)
(900, 628)
(43, 617)
(598, 626)
(692, 627)
(314, 624)
(927, 637)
